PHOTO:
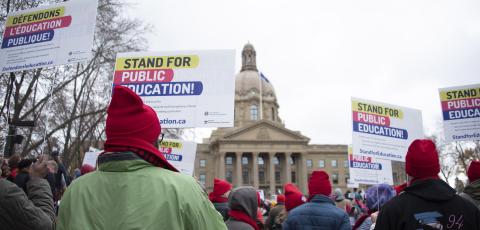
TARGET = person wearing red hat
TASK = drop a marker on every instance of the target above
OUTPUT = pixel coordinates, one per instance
(135, 187)
(219, 196)
(86, 168)
(472, 190)
(427, 202)
(320, 212)
(275, 212)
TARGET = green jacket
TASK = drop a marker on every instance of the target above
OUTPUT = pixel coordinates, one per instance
(130, 193)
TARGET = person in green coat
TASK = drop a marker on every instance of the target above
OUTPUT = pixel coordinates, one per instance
(135, 187)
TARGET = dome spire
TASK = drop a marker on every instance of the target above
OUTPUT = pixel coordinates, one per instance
(249, 58)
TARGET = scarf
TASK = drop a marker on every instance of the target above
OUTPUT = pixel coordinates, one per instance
(241, 216)
(147, 156)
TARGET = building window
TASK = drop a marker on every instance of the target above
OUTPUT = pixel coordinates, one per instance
(309, 163)
(335, 178)
(334, 163)
(261, 177)
(294, 177)
(244, 160)
(277, 177)
(203, 163)
(290, 160)
(345, 163)
(202, 179)
(229, 160)
(276, 161)
(260, 161)
(229, 176)
(321, 163)
(253, 113)
(347, 177)
(245, 177)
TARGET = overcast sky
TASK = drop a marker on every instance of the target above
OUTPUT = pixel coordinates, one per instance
(318, 54)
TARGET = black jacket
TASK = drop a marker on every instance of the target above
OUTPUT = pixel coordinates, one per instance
(428, 204)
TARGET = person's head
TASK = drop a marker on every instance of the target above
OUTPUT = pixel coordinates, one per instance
(52, 166)
(244, 199)
(86, 168)
(221, 190)
(422, 160)
(24, 164)
(319, 184)
(77, 173)
(378, 195)
(132, 124)
(56, 156)
(280, 199)
(13, 161)
(293, 197)
(338, 195)
(473, 171)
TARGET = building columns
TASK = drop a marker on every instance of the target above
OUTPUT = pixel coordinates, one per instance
(302, 175)
(255, 170)
(238, 168)
(287, 168)
(271, 171)
(221, 165)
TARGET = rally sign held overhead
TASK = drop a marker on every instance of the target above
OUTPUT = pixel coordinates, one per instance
(369, 170)
(180, 154)
(461, 112)
(384, 131)
(48, 36)
(186, 88)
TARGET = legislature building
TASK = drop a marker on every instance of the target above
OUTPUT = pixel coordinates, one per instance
(260, 151)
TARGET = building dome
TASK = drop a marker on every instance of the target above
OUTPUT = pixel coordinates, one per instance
(247, 92)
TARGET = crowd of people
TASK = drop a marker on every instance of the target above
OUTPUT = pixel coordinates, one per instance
(135, 187)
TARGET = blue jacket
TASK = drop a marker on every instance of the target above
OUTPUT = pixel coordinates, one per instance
(320, 213)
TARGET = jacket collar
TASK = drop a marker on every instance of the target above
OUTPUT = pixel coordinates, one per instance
(319, 198)
(121, 162)
(424, 188)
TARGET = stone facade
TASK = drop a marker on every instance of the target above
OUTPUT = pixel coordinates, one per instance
(259, 151)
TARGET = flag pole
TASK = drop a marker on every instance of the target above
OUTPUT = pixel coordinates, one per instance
(261, 95)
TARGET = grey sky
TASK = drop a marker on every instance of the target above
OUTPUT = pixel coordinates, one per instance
(318, 54)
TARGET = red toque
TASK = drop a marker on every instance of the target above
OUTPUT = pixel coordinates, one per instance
(422, 159)
(400, 188)
(293, 197)
(86, 168)
(220, 187)
(319, 183)
(473, 171)
(280, 198)
(130, 123)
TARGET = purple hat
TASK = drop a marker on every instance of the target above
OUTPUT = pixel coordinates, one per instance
(376, 200)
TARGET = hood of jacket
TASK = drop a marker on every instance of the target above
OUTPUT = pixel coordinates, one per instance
(473, 190)
(244, 199)
(434, 190)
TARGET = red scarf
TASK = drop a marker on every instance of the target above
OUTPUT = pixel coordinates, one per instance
(241, 216)
(217, 199)
(362, 219)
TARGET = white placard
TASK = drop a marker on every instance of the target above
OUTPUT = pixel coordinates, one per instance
(369, 170)
(180, 154)
(186, 88)
(90, 158)
(48, 36)
(461, 112)
(384, 131)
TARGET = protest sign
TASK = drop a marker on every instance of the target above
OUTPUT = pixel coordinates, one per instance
(369, 170)
(181, 154)
(90, 158)
(186, 88)
(351, 184)
(384, 131)
(461, 112)
(48, 36)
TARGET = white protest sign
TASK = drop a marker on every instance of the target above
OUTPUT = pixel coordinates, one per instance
(186, 88)
(384, 131)
(180, 154)
(351, 184)
(48, 36)
(369, 170)
(90, 158)
(461, 112)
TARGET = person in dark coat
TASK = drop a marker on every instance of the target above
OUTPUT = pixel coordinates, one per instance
(427, 202)
(33, 212)
(23, 174)
(320, 212)
(275, 212)
(243, 203)
(471, 192)
(219, 196)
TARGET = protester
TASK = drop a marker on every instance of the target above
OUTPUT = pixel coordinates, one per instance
(341, 202)
(376, 197)
(134, 186)
(471, 192)
(86, 168)
(35, 211)
(427, 202)
(60, 176)
(219, 196)
(320, 212)
(293, 199)
(23, 174)
(76, 173)
(275, 212)
(243, 203)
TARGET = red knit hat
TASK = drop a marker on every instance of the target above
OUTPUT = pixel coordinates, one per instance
(319, 183)
(422, 159)
(473, 171)
(86, 168)
(293, 197)
(280, 198)
(130, 123)
(220, 187)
